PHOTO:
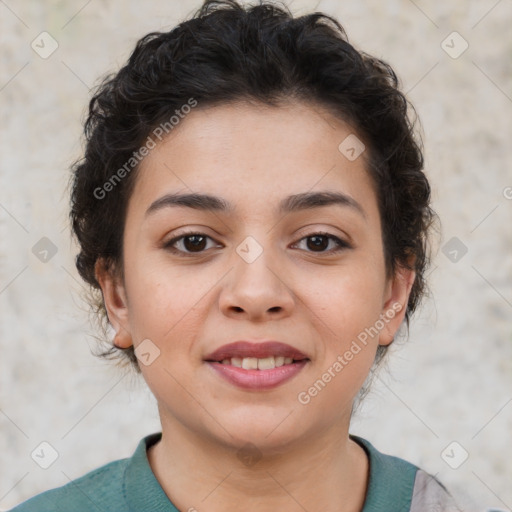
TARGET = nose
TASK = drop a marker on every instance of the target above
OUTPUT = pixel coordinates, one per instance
(257, 290)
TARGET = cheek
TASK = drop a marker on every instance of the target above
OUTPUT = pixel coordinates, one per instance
(347, 300)
(346, 306)
(165, 307)
(160, 307)
(167, 303)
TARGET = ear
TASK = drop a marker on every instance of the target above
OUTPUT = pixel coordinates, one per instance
(114, 296)
(395, 303)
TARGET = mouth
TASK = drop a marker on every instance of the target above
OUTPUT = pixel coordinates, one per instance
(252, 356)
(257, 365)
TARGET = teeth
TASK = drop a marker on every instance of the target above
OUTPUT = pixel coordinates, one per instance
(236, 361)
(266, 363)
(253, 363)
(250, 363)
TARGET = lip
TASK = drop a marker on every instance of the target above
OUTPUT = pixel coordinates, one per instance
(259, 350)
(258, 379)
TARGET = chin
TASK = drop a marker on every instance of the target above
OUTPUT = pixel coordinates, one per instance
(268, 428)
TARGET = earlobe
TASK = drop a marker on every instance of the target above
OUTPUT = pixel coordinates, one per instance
(114, 297)
(395, 303)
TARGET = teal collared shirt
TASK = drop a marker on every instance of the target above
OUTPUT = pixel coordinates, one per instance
(129, 485)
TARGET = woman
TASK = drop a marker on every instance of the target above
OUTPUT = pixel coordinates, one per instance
(252, 210)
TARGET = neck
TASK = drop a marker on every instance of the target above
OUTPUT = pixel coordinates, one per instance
(322, 471)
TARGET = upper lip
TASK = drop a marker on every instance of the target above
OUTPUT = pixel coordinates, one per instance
(259, 350)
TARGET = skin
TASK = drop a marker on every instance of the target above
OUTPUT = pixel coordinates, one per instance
(312, 298)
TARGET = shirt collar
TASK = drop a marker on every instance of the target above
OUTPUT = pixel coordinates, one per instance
(141, 488)
(390, 480)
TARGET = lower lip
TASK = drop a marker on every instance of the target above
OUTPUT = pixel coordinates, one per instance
(258, 379)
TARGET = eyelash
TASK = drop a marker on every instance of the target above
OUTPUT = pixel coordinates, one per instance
(342, 245)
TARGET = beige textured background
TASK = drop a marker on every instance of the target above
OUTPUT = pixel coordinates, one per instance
(452, 381)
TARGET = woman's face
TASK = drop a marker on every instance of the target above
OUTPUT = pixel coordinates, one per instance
(275, 266)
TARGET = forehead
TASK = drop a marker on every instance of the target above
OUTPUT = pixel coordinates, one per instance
(254, 154)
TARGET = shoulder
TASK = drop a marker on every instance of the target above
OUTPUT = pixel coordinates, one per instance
(398, 485)
(100, 489)
(429, 494)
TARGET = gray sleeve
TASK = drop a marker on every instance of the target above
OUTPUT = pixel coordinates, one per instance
(429, 495)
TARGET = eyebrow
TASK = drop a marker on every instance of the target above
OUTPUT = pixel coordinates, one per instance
(292, 203)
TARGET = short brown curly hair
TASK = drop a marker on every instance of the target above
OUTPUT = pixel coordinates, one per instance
(228, 52)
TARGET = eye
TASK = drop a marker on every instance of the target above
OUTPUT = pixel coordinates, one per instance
(190, 243)
(193, 242)
(320, 241)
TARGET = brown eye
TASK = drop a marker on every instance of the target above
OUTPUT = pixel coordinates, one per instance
(319, 242)
(194, 243)
(188, 243)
